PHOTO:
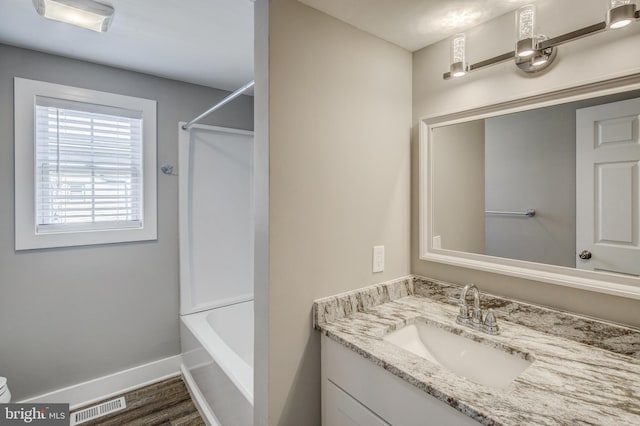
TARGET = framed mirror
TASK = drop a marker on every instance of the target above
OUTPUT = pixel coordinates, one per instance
(545, 188)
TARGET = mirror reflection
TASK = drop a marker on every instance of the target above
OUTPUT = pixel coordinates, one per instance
(558, 185)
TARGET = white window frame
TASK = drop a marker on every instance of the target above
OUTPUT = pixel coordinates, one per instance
(26, 237)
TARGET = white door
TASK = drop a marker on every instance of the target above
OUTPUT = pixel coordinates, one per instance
(608, 187)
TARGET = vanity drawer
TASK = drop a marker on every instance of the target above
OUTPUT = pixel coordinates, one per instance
(342, 410)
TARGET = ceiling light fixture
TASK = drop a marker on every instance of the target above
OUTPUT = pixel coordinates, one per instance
(536, 52)
(87, 14)
(458, 56)
(621, 13)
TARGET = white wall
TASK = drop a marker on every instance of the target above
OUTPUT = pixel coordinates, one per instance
(458, 190)
(73, 314)
(531, 163)
(339, 124)
(590, 59)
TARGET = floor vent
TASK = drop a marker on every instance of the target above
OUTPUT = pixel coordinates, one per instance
(96, 411)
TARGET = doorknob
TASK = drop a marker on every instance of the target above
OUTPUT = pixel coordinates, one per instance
(585, 255)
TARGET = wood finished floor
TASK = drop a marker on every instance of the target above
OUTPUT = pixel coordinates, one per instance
(166, 403)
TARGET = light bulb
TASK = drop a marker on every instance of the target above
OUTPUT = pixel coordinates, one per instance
(620, 24)
(539, 60)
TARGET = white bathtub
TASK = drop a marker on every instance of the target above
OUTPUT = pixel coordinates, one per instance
(217, 352)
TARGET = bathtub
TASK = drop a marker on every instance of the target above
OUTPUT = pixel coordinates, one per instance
(217, 362)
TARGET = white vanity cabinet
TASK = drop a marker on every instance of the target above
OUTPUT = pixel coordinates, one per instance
(357, 392)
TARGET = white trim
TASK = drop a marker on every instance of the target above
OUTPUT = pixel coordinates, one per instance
(261, 286)
(26, 237)
(198, 399)
(612, 84)
(219, 304)
(124, 381)
(187, 305)
(618, 285)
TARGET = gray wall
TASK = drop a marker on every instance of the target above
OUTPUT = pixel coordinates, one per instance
(458, 190)
(70, 315)
(339, 138)
(596, 58)
(531, 163)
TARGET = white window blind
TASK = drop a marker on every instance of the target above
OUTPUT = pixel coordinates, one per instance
(88, 161)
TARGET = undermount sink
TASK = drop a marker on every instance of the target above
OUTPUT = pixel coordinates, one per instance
(474, 361)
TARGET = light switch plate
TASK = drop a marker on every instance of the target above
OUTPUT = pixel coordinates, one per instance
(378, 258)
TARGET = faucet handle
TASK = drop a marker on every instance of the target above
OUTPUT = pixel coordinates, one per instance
(490, 323)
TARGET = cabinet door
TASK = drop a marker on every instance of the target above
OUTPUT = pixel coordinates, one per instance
(342, 410)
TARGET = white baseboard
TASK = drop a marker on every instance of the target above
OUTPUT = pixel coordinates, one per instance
(198, 399)
(86, 393)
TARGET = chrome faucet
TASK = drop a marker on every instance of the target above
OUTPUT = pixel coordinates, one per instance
(475, 319)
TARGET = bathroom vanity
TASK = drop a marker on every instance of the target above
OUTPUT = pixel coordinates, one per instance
(383, 362)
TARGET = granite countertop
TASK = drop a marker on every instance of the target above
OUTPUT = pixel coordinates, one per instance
(584, 371)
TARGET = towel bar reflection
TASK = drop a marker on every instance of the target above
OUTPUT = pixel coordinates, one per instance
(527, 213)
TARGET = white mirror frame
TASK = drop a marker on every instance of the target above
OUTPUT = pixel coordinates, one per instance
(619, 285)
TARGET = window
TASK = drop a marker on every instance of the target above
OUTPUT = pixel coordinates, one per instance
(84, 166)
(88, 167)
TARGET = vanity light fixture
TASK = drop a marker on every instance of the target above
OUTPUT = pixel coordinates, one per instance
(535, 52)
(458, 56)
(529, 56)
(621, 13)
(87, 14)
